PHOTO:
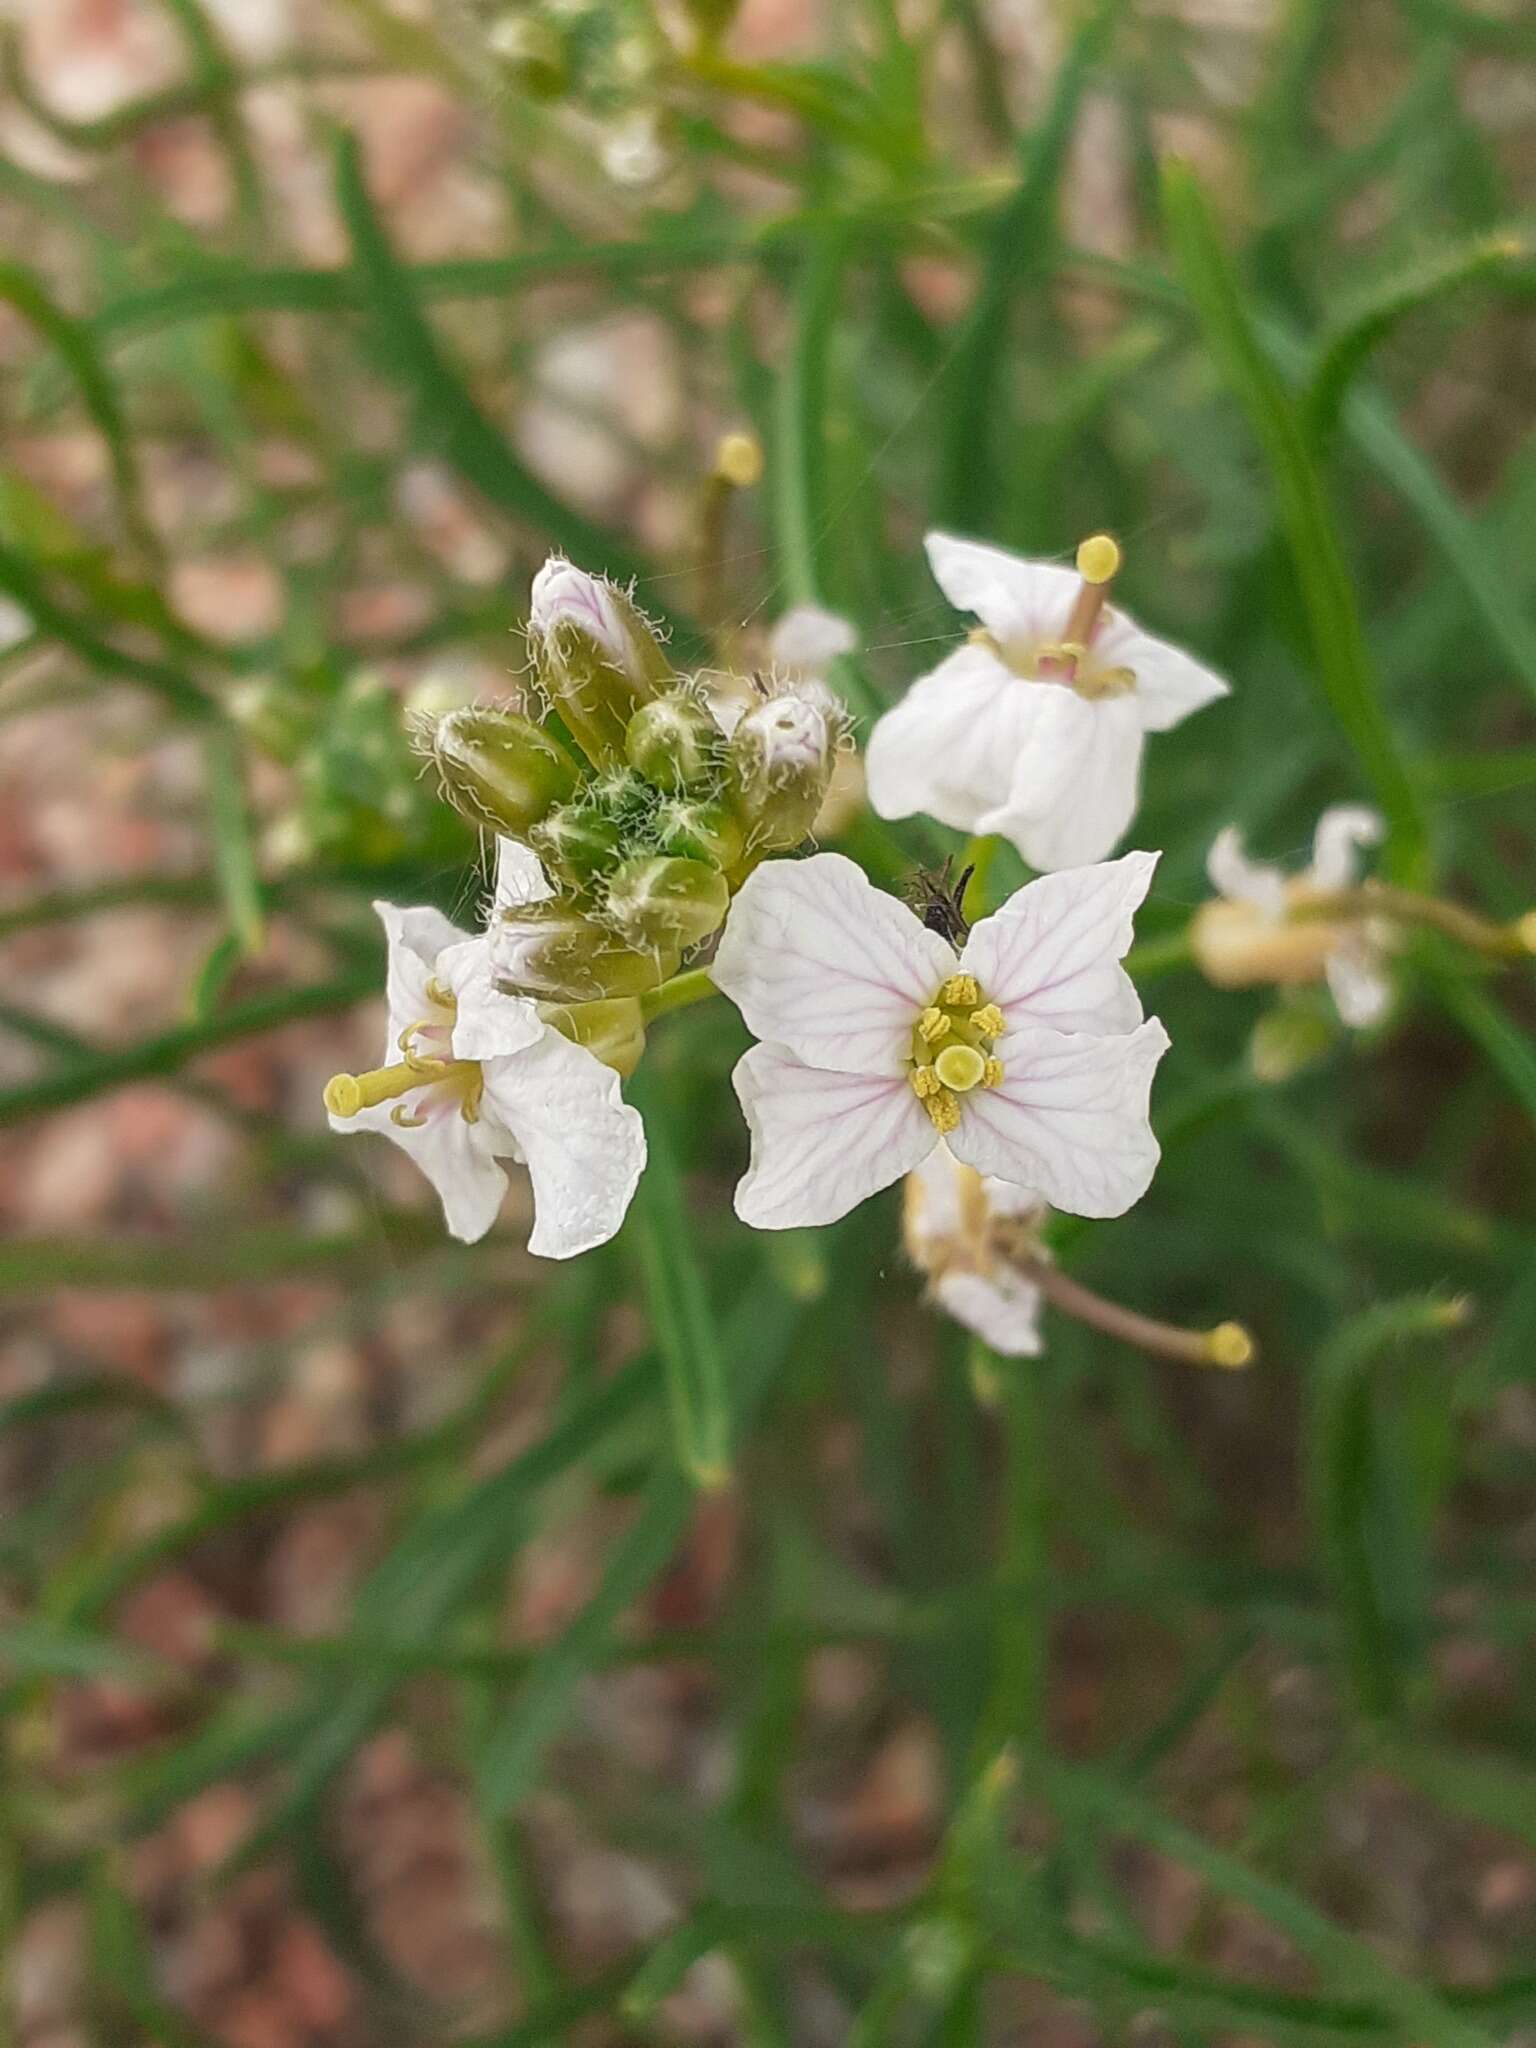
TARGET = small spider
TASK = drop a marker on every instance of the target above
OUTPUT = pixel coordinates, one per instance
(938, 901)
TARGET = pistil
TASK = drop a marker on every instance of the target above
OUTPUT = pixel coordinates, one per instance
(347, 1094)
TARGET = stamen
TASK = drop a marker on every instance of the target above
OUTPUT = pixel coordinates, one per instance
(943, 1111)
(960, 1067)
(932, 1026)
(960, 992)
(925, 1082)
(988, 1020)
(1098, 563)
(407, 1119)
(991, 1073)
(444, 998)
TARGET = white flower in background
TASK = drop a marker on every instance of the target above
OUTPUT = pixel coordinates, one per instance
(1026, 1051)
(1253, 933)
(965, 1234)
(800, 648)
(807, 640)
(1034, 728)
(472, 1076)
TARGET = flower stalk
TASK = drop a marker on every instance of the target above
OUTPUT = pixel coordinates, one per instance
(1513, 941)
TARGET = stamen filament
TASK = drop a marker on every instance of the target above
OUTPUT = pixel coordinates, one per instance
(1228, 1345)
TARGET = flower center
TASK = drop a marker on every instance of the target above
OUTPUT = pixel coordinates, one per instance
(1070, 660)
(952, 1049)
(439, 1081)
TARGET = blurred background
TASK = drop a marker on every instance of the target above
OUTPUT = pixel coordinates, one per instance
(368, 1671)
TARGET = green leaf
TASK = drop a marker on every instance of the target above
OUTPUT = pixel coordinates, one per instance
(234, 854)
(1339, 651)
(47, 1649)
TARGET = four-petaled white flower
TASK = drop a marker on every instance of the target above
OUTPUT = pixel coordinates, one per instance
(472, 1076)
(1034, 728)
(1027, 1051)
(965, 1233)
(1272, 927)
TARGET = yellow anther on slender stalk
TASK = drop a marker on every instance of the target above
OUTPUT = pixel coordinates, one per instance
(1229, 1346)
(932, 1026)
(406, 1119)
(925, 1082)
(960, 1067)
(960, 992)
(991, 1073)
(739, 460)
(988, 1020)
(1098, 563)
(444, 998)
(1098, 559)
(943, 1112)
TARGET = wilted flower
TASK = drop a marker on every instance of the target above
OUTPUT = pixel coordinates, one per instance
(966, 1235)
(472, 1076)
(1027, 1051)
(1262, 928)
(1034, 729)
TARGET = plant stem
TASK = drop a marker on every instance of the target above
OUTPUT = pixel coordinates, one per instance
(677, 994)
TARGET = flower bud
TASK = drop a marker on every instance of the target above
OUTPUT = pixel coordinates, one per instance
(500, 770)
(595, 654)
(782, 754)
(656, 901)
(698, 830)
(673, 743)
(612, 1031)
(554, 951)
(576, 842)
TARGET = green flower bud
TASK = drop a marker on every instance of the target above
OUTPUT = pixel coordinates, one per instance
(612, 1031)
(781, 758)
(500, 770)
(576, 842)
(657, 901)
(554, 951)
(708, 831)
(595, 654)
(674, 743)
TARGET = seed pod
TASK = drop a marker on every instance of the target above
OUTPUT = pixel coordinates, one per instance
(595, 654)
(654, 900)
(499, 770)
(674, 743)
(694, 830)
(612, 1031)
(554, 951)
(781, 757)
(576, 843)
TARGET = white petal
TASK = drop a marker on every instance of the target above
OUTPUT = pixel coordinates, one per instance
(415, 938)
(811, 639)
(584, 1146)
(1170, 684)
(487, 1023)
(458, 1158)
(1076, 785)
(933, 1204)
(1017, 601)
(1242, 880)
(1340, 830)
(1358, 982)
(1003, 1310)
(821, 1142)
(950, 747)
(1052, 954)
(819, 960)
(1069, 1117)
(520, 877)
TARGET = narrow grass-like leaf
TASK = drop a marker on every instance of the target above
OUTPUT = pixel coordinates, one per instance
(1339, 649)
(1509, 1049)
(234, 853)
(46, 1649)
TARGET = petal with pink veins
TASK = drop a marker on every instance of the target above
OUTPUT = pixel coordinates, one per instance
(821, 1142)
(1052, 954)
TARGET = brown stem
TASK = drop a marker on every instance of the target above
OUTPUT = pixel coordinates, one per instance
(1228, 1345)
(1378, 899)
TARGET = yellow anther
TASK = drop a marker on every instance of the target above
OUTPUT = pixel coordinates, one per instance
(444, 998)
(960, 1067)
(925, 1082)
(1230, 1346)
(1098, 559)
(406, 1119)
(1525, 931)
(739, 460)
(991, 1073)
(988, 1020)
(932, 1026)
(943, 1112)
(960, 992)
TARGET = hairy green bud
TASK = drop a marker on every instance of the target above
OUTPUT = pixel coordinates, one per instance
(500, 770)
(596, 655)
(655, 900)
(781, 759)
(700, 830)
(612, 1031)
(674, 743)
(554, 951)
(576, 842)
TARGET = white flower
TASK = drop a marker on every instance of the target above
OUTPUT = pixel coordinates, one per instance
(807, 640)
(1253, 935)
(1027, 1051)
(1034, 729)
(472, 1076)
(963, 1232)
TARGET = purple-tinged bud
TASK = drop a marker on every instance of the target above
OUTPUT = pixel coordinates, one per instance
(500, 770)
(782, 755)
(596, 654)
(656, 901)
(556, 953)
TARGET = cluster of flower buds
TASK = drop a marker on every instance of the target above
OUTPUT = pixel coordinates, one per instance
(646, 807)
